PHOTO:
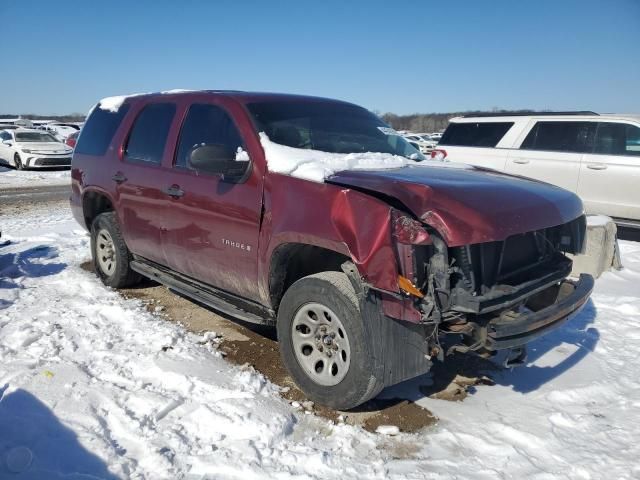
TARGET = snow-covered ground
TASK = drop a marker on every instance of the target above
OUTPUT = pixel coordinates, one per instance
(93, 384)
(10, 178)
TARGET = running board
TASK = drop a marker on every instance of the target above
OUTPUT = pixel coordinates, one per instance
(224, 302)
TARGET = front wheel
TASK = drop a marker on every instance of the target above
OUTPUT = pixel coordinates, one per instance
(324, 343)
(17, 161)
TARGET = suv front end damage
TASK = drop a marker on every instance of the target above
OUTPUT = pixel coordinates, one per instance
(490, 296)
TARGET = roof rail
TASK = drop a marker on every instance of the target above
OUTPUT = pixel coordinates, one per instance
(527, 114)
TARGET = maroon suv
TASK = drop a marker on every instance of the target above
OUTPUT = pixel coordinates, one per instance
(368, 275)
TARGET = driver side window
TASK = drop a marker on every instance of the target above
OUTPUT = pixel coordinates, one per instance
(207, 124)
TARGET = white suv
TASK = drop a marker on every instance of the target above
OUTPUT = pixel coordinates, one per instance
(595, 156)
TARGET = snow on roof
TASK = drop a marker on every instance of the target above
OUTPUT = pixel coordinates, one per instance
(316, 166)
(113, 104)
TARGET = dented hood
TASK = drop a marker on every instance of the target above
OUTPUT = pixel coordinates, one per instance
(468, 205)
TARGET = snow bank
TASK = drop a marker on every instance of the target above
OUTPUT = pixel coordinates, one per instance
(10, 178)
(316, 165)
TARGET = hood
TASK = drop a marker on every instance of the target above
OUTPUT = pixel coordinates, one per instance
(469, 205)
(48, 147)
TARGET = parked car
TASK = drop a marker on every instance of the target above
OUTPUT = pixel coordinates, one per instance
(368, 274)
(28, 148)
(8, 126)
(436, 136)
(595, 156)
(424, 145)
(60, 130)
(72, 139)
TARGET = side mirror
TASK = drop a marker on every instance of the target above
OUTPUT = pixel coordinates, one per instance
(217, 159)
(8, 143)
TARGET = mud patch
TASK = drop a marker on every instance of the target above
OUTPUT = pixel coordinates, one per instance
(405, 415)
(457, 377)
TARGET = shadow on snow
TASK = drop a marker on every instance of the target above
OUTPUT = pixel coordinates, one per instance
(32, 262)
(579, 332)
(34, 444)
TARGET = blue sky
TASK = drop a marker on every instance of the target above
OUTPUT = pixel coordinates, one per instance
(398, 56)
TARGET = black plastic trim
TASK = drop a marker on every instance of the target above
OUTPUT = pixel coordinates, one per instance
(527, 327)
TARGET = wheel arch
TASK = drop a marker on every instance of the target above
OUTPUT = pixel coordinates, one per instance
(292, 261)
(95, 202)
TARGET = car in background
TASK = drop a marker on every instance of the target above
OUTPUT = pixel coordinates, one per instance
(419, 142)
(436, 136)
(8, 126)
(595, 156)
(30, 148)
(72, 139)
(60, 130)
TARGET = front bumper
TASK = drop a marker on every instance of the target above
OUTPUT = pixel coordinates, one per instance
(549, 310)
(47, 161)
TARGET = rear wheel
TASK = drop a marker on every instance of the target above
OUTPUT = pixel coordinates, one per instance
(324, 343)
(111, 257)
(17, 161)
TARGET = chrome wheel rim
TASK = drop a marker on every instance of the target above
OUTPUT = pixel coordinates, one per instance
(106, 252)
(321, 344)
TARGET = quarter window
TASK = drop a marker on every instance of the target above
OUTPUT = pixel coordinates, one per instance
(149, 133)
(207, 124)
(480, 134)
(561, 137)
(99, 129)
(617, 139)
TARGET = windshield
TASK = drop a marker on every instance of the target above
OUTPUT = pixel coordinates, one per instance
(329, 127)
(34, 137)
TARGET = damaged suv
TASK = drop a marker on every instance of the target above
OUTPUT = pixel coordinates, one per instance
(314, 216)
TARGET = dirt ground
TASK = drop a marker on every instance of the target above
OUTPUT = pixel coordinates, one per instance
(256, 346)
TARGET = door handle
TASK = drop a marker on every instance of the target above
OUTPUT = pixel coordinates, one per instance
(174, 191)
(119, 177)
(596, 166)
(521, 161)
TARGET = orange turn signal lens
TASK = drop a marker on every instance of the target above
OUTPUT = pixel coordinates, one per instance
(406, 286)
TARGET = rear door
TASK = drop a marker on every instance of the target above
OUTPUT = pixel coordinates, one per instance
(213, 224)
(552, 152)
(141, 180)
(610, 176)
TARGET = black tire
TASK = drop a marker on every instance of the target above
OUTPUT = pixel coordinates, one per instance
(365, 376)
(18, 162)
(120, 275)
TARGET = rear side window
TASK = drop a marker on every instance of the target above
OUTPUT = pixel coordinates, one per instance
(574, 137)
(209, 125)
(149, 133)
(617, 139)
(481, 134)
(99, 129)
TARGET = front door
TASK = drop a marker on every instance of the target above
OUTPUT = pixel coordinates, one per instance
(212, 224)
